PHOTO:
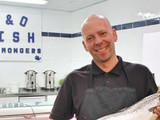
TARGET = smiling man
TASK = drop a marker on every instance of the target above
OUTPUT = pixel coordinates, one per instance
(91, 92)
(99, 38)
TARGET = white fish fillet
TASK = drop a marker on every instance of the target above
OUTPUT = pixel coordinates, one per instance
(138, 111)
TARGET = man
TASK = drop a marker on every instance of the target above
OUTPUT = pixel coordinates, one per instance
(106, 74)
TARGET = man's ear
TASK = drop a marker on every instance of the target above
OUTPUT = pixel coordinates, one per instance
(114, 34)
(84, 45)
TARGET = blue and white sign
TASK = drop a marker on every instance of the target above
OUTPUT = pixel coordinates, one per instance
(20, 36)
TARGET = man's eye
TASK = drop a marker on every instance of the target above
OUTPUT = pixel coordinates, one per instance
(90, 38)
(103, 33)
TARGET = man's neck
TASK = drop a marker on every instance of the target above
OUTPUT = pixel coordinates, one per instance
(108, 65)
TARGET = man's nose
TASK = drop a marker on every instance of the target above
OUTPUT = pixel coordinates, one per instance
(98, 40)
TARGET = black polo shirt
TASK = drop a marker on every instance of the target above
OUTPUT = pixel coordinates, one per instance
(115, 78)
(124, 74)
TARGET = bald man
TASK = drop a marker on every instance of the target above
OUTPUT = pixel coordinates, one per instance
(90, 91)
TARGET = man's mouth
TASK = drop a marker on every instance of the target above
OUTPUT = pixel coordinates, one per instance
(101, 50)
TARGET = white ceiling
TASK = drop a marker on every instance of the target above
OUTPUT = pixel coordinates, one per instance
(60, 5)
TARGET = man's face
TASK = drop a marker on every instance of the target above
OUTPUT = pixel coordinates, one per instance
(99, 39)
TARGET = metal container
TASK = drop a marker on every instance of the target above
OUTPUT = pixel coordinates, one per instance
(30, 80)
(2, 90)
(49, 76)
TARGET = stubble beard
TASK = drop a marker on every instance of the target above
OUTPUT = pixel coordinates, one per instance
(105, 58)
(102, 59)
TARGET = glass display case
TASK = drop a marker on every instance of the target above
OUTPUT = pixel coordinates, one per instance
(25, 112)
(27, 105)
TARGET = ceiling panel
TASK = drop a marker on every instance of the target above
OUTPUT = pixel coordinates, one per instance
(60, 5)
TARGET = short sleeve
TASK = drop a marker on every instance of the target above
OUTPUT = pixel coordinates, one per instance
(151, 84)
(63, 106)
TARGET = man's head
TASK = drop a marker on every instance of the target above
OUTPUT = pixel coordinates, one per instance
(99, 38)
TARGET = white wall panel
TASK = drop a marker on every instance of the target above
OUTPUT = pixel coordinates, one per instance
(54, 21)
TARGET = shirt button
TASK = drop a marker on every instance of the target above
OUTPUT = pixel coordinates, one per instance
(83, 118)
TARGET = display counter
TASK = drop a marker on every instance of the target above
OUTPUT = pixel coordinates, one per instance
(26, 104)
(23, 111)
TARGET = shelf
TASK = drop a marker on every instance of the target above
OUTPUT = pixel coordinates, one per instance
(26, 93)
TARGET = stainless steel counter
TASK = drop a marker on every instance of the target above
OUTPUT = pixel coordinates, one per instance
(25, 93)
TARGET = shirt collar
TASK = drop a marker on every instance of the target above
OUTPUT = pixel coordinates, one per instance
(116, 70)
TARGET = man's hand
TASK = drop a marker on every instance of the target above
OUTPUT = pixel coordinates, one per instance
(157, 110)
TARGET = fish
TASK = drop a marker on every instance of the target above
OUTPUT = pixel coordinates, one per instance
(141, 110)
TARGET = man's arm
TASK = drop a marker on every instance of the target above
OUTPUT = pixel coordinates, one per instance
(157, 110)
